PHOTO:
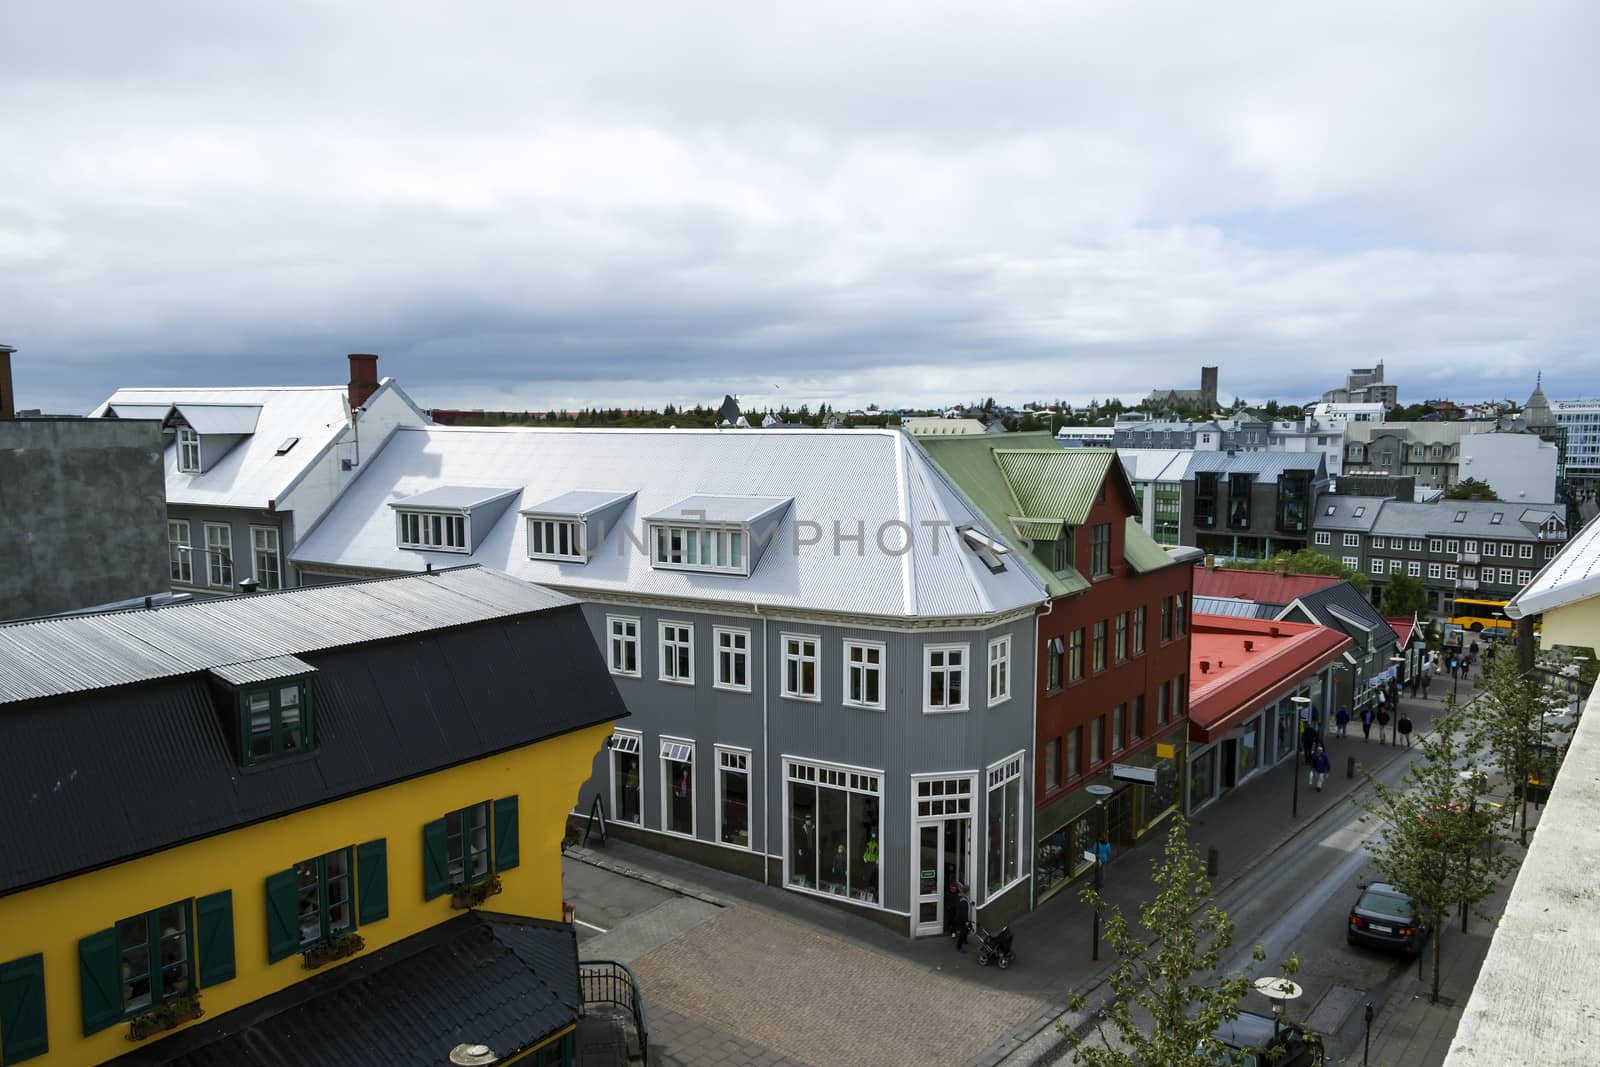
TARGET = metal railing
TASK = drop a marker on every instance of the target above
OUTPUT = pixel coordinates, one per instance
(610, 982)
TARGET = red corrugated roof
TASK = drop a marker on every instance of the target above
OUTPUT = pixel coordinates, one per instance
(1264, 587)
(1237, 680)
(1403, 628)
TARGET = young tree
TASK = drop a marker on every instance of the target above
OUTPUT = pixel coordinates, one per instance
(1436, 839)
(1467, 488)
(1166, 997)
(1403, 596)
(1509, 715)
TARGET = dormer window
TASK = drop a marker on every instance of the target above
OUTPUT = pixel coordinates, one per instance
(449, 518)
(271, 713)
(571, 527)
(188, 450)
(715, 534)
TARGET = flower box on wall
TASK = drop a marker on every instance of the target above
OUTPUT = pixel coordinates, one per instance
(172, 1013)
(336, 949)
(469, 896)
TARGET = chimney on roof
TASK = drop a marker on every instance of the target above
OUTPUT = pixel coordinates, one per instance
(363, 378)
(1211, 562)
(8, 403)
(1276, 632)
(1281, 566)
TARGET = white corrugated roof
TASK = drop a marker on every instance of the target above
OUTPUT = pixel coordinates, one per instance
(454, 497)
(1572, 576)
(578, 503)
(228, 419)
(854, 495)
(1155, 464)
(252, 473)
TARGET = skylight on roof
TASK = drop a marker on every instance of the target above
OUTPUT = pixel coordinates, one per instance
(1494, 520)
(1332, 508)
(1360, 511)
(1461, 516)
(288, 443)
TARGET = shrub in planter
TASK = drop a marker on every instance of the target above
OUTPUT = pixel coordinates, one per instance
(335, 949)
(165, 1016)
(468, 896)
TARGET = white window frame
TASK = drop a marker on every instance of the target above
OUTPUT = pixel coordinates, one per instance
(1352, 540)
(188, 450)
(996, 776)
(1413, 568)
(1378, 565)
(1353, 562)
(1452, 545)
(1490, 548)
(617, 639)
(433, 531)
(730, 644)
(681, 743)
(625, 741)
(1507, 576)
(1435, 570)
(260, 556)
(214, 578)
(1415, 545)
(945, 669)
(999, 659)
(1451, 571)
(799, 659)
(544, 541)
(1524, 577)
(863, 780)
(1379, 542)
(682, 546)
(1469, 545)
(180, 552)
(1435, 544)
(677, 641)
(737, 760)
(851, 666)
(1524, 551)
(1324, 537)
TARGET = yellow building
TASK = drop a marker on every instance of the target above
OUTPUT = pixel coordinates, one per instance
(301, 827)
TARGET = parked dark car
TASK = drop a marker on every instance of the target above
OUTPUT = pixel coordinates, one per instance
(1384, 917)
(1292, 1046)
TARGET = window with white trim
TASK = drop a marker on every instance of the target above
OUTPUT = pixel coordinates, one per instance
(219, 555)
(1378, 566)
(1435, 544)
(1075, 655)
(1470, 574)
(1451, 570)
(1524, 551)
(733, 658)
(557, 539)
(945, 678)
(1452, 545)
(863, 674)
(1414, 545)
(800, 667)
(431, 530)
(1469, 545)
(1098, 644)
(626, 776)
(834, 829)
(677, 653)
(733, 796)
(1352, 540)
(1353, 562)
(1324, 537)
(269, 562)
(1549, 552)
(1379, 542)
(623, 644)
(677, 786)
(188, 450)
(1413, 568)
(1524, 577)
(999, 670)
(1435, 570)
(1004, 853)
(1506, 576)
(1490, 549)
(179, 553)
(720, 550)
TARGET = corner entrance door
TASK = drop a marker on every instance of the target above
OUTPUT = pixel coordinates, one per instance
(943, 851)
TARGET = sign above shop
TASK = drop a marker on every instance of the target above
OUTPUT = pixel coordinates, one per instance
(1125, 772)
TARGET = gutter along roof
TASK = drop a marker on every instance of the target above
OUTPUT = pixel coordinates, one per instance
(133, 754)
(1573, 576)
(1238, 681)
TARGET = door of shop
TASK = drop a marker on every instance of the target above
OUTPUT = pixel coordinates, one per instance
(944, 846)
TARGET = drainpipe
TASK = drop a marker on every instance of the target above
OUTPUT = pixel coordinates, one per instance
(766, 761)
(1033, 736)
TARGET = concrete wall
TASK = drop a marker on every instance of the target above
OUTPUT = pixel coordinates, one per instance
(1519, 466)
(82, 514)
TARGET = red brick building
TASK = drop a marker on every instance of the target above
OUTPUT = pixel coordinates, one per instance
(1112, 687)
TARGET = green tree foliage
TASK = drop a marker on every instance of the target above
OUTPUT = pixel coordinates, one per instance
(1306, 561)
(1438, 839)
(1467, 488)
(1165, 995)
(1404, 596)
(1509, 717)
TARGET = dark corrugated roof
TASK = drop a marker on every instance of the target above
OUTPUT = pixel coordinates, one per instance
(93, 778)
(1348, 599)
(496, 980)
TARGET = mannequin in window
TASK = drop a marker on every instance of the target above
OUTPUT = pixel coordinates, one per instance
(868, 874)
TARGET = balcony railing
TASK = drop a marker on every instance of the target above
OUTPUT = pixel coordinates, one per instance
(1466, 583)
(1467, 557)
(610, 982)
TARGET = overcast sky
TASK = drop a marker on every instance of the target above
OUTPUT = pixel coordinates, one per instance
(545, 205)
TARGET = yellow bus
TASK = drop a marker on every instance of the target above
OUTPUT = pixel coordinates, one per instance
(1478, 615)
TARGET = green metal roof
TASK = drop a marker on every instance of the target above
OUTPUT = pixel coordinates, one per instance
(1037, 529)
(1142, 551)
(1061, 483)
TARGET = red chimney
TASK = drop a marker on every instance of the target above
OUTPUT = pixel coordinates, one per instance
(8, 404)
(363, 378)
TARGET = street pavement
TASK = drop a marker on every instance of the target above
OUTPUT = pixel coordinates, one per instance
(733, 971)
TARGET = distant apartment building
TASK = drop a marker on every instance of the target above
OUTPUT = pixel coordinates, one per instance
(1518, 466)
(1364, 385)
(81, 511)
(1579, 424)
(1211, 435)
(248, 471)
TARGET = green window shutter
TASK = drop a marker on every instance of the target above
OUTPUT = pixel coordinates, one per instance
(283, 923)
(214, 937)
(506, 853)
(372, 886)
(22, 1023)
(435, 860)
(100, 976)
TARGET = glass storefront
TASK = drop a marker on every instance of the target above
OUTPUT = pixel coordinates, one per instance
(1202, 778)
(1005, 825)
(834, 830)
(1250, 748)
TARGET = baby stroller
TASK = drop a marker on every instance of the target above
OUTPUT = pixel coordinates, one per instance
(995, 947)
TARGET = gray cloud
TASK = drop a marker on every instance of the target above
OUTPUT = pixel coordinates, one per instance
(623, 204)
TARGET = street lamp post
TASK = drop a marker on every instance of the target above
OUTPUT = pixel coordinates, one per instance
(1099, 792)
(1299, 700)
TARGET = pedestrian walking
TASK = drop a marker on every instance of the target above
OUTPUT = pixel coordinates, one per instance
(1404, 727)
(1342, 719)
(1308, 740)
(1427, 679)
(962, 918)
(1319, 768)
(1455, 667)
(1383, 724)
(1366, 724)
